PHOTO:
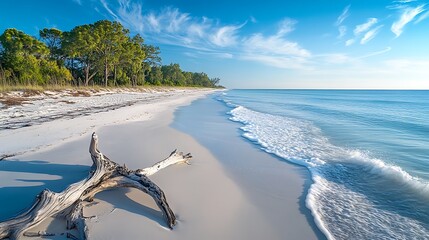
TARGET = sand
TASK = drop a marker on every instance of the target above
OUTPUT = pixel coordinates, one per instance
(210, 200)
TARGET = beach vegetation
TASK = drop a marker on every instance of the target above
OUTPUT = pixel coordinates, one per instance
(99, 54)
(25, 60)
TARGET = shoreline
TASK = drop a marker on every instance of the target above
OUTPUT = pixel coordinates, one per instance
(264, 177)
(90, 113)
(208, 201)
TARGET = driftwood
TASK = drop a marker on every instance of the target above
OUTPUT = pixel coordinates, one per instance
(105, 174)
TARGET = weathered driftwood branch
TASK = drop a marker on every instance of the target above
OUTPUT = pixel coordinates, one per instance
(105, 174)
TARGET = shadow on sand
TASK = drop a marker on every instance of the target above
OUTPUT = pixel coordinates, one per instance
(32, 177)
(120, 199)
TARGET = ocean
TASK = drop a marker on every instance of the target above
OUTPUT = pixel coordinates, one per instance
(367, 152)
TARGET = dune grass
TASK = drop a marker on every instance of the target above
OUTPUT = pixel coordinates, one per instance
(30, 89)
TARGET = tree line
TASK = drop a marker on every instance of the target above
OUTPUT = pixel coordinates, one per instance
(102, 53)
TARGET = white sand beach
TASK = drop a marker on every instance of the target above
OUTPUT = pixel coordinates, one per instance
(209, 201)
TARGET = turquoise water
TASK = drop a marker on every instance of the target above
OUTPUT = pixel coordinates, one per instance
(367, 151)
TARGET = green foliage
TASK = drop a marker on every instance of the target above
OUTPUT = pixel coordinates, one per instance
(173, 75)
(102, 53)
(79, 47)
(109, 38)
(54, 74)
(132, 58)
(155, 76)
(15, 42)
(52, 38)
(25, 60)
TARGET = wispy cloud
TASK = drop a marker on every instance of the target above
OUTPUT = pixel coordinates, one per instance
(129, 13)
(365, 26)
(277, 61)
(275, 50)
(342, 30)
(286, 26)
(370, 35)
(404, 1)
(274, 45)
(365, 29)
(407, 15)
(106, 6)
(344, 58)
(173, 27)
(345, 14)
(176, 20)
(371, 54)
(422, 17)
(152, 23)
(225, 36)
(211, 38)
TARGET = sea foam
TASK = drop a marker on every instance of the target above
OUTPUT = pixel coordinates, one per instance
(347, 198)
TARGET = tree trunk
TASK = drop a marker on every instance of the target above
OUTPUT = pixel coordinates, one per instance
(105, 174)
(105, 72)
(73, 71)
(114, 76)
(86, 75)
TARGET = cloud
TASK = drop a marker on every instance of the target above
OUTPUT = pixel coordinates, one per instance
(400, 4)
(407, 15)
(173, 27)
(274, 45)
(106, 6)
(153, 23)
(78, 2)
(365, 26)
(210, 37)
(275, 50)
(176, 20)
(286, 26)
(341, 58)
(388, 49)
(370, 35)
(342, 31)
(129, 14)
(343, 16)
(422, 17)
(350, 42)
(277, 61)
(404, 1)
(225, 36)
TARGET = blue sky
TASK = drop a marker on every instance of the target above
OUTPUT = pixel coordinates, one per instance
(263, 44)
